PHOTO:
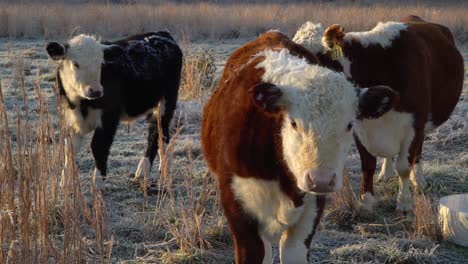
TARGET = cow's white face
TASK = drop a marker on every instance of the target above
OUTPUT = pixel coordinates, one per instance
(81, 59)
(319, 107)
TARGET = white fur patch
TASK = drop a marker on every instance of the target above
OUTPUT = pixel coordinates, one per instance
(143, 168)
(383, 34)
(98, 180)
(322, 103)
(264, 200)
(387, 135)
(387, 171)
(310, 35)
(292, 243)
(76, 141)
(268, 258)
(88, 53)
(82, 125)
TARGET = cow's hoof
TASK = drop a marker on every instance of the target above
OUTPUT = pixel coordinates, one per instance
(143, 168)
(367, 202)
(98, 180)
(139, 183)
(404, 208)
(99, 184)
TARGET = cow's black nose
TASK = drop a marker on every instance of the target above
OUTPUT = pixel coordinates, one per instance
(95, 94)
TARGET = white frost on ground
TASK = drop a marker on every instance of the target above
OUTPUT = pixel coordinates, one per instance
(136, 227)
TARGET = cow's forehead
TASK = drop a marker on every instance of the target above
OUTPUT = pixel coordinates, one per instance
(310, 36)
(85, 48)
(313, 92)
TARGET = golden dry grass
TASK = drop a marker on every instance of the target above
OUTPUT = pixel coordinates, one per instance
(204, 20)
(41, 220)
(426, 218)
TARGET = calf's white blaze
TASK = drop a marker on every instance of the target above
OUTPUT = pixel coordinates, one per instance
(322, 103)
(88, 54)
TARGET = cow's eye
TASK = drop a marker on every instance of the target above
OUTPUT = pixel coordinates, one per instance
(293, 124)
(76, 65)
(349, 126)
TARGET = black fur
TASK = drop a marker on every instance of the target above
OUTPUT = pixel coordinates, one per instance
(140, 72)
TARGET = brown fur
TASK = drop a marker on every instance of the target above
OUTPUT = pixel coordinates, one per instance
(239, 138)
(422, 64)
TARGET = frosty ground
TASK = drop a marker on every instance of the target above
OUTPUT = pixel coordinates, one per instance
(145, 230)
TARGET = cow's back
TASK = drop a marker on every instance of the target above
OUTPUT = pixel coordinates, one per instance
(445, 68)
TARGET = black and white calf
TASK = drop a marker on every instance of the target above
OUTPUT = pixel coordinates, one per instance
(102, 83)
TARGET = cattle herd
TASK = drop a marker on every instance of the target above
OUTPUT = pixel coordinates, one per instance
(278, 127)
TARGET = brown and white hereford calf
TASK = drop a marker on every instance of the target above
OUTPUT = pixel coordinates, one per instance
(276, 132)
(417, 59)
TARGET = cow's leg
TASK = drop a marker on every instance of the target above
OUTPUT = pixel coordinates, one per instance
(408, 160)
(100, 145)
(368, 165)
(416, 174)
(268, 259)
(403, 166)
(75, 141)
(295, 241)
(387, 171)
(144, 166)
(248, 245)
(166, 110)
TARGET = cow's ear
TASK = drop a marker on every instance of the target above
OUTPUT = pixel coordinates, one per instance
(376, 101)
(112, 53)
(333, 35)
(56, 50)
(267, 97)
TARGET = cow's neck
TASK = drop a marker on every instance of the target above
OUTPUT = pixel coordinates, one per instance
(63, 94)
(82, 104)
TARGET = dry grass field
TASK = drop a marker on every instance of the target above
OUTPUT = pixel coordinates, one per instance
(205, 20)
(44, 222)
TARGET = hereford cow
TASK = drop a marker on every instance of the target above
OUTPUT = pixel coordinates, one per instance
(417, 59)
(276, 132)
(102, 83)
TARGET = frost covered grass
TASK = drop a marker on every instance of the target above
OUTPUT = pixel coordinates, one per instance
(215, 20)
(43, 222)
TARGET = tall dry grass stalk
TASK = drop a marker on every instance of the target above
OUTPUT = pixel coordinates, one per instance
(209, 20)
(426, 218)
(40, 220)
(198, 72)
(192, 210)
(344, 204)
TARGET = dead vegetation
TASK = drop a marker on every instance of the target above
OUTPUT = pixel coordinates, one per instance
(214, 20)
(42, 221)
(198, 72)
